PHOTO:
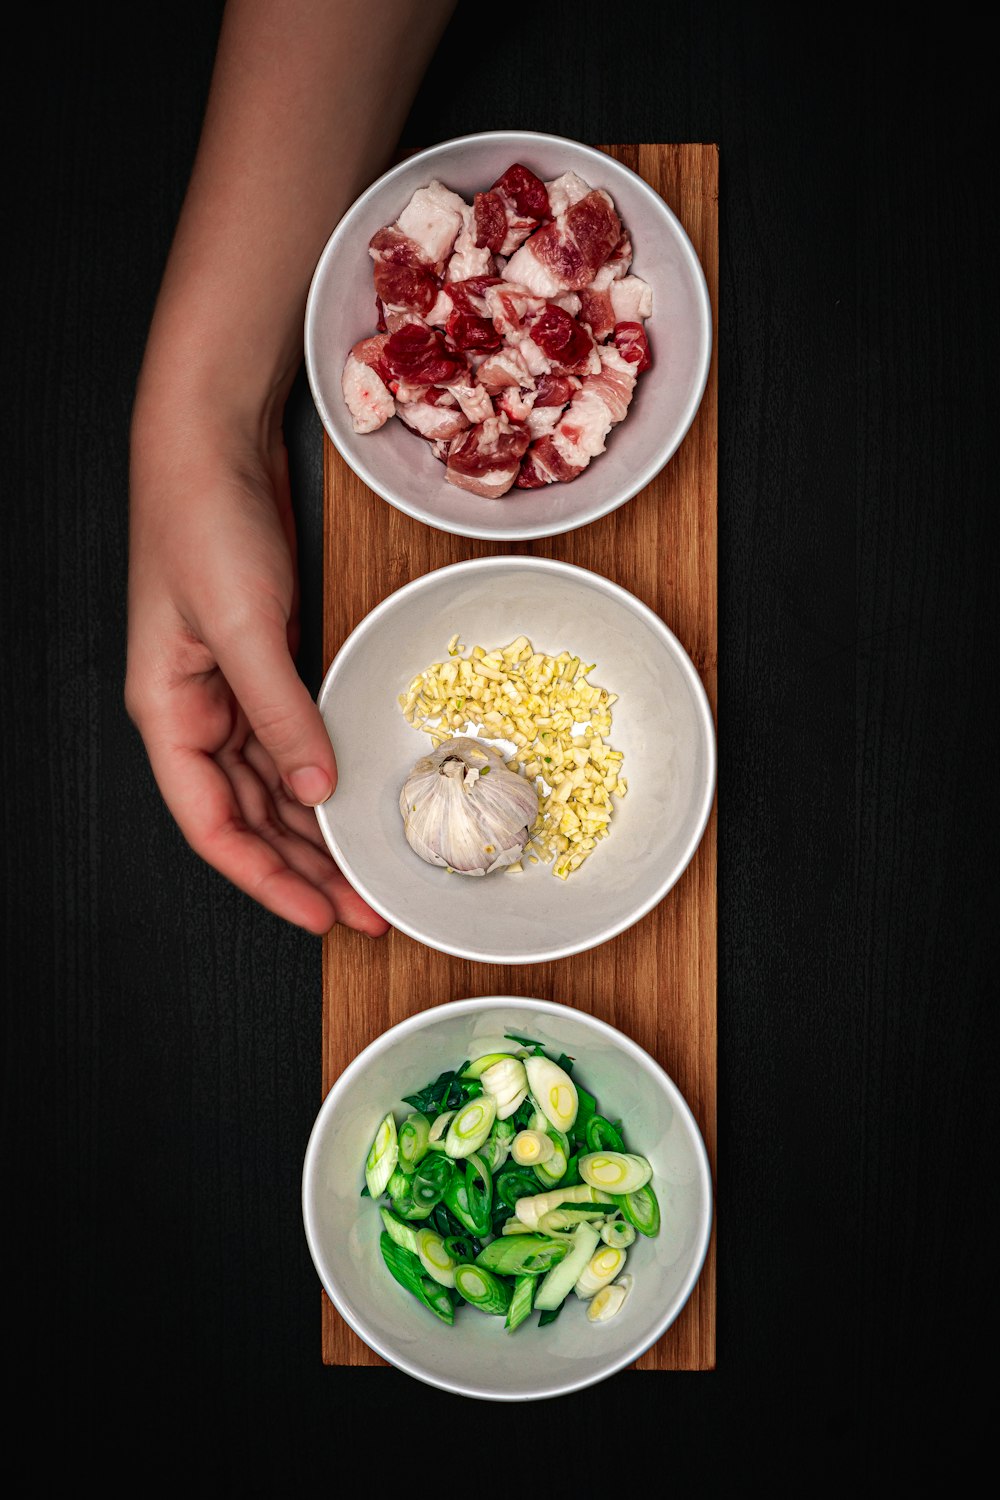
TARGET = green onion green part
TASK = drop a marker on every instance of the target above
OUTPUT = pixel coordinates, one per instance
(642, 1210)
(482, 1289)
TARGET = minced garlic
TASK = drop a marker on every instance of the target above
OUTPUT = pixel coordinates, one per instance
(556, 723)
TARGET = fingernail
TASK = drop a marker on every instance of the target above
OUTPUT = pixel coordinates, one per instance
(310, 785)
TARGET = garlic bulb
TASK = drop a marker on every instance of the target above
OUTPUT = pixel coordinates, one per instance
(462, 808)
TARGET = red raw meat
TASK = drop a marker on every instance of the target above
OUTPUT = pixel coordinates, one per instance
(469, 332)
(486, 459)
(596, 309)
(392, 245)
(380, 323)
(491, 221)
(408, 287)
(555, 390)
(526, 191)
(596, 228)
(419, 355)
(467, 296)
(632, 344)
(561, 338)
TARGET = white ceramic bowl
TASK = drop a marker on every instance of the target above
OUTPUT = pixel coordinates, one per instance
(662, 723)
(397, 464)
(476, 1357)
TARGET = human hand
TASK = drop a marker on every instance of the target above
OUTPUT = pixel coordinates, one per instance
(236, 743)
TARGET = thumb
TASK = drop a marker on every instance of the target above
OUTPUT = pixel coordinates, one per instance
(258, 667)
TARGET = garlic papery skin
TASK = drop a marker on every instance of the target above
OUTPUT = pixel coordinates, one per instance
(464, 810)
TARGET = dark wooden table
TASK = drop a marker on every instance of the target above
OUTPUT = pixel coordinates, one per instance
(162, 1035)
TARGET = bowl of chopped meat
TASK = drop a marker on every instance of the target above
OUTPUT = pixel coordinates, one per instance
(508, 335)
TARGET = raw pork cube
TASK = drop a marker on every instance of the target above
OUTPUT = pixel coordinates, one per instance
(485, 460)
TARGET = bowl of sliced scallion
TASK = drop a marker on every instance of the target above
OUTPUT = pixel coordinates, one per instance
(507, 1198)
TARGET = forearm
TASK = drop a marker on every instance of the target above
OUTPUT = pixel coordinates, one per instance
(307, 101)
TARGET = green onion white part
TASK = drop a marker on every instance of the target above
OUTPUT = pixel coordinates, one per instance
(434, 1257)
(382, 1157)
(507, 1083)
(601, 1269)
(530, 1210)
(470, 1126)
(531, 1149)
(618, 1232)
(615, 1171)
(553, 1090)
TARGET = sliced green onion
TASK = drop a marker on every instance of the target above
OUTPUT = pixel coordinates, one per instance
(642, 1210)
(607, 1302)
(507, 1083)
(516, 1182)
(521, 1302)
(461, 1246)
(530, 1148)
(434, 1257)
(602, 1268)
(382, 1157)
(482, 1289)
(553, 1090)
(618, 1232)
(558, 1220)
(522, 1254)
(497, 1147)
(406, 1269)
(400, 1190)
(551, 1172)
(571, 1176)
(470, 1126)
(602, 1135)
(470, 1198)
(530, 1210)
(549, 1314)
(431, 1179)
(435, 1139)
(399, 1231)
(478, 1066)
(414, 1136)
(561, 1280)
(615, 1171)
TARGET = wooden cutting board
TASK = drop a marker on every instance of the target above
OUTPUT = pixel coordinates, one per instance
(657, 981)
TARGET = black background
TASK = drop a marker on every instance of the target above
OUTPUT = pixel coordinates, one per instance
(162, 1034)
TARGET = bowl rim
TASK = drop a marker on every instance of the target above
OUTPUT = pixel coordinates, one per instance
(642, 476)
(470, 1006)
(703, 708)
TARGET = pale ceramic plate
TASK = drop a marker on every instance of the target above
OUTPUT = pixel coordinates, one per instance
(397, 464)
(662, 723)
(476, 1357)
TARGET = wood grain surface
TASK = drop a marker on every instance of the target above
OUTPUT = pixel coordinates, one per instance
(656, 981)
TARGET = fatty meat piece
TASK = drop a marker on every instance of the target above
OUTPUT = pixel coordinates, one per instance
(369, 400)
(632, 344)
(564, 191)
(404, 282)
(433, 220)
(505, 368)
(512, 208)
(433, 421)
(566, 255)
(580, 433)
(632, 299)
(486, 459)
(469, 259)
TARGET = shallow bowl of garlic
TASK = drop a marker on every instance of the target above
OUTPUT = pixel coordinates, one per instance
(614, 833)
(401, 467)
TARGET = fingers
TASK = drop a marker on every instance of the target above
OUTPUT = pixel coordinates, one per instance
(267, 813)
(202, 799)
(258, 666)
